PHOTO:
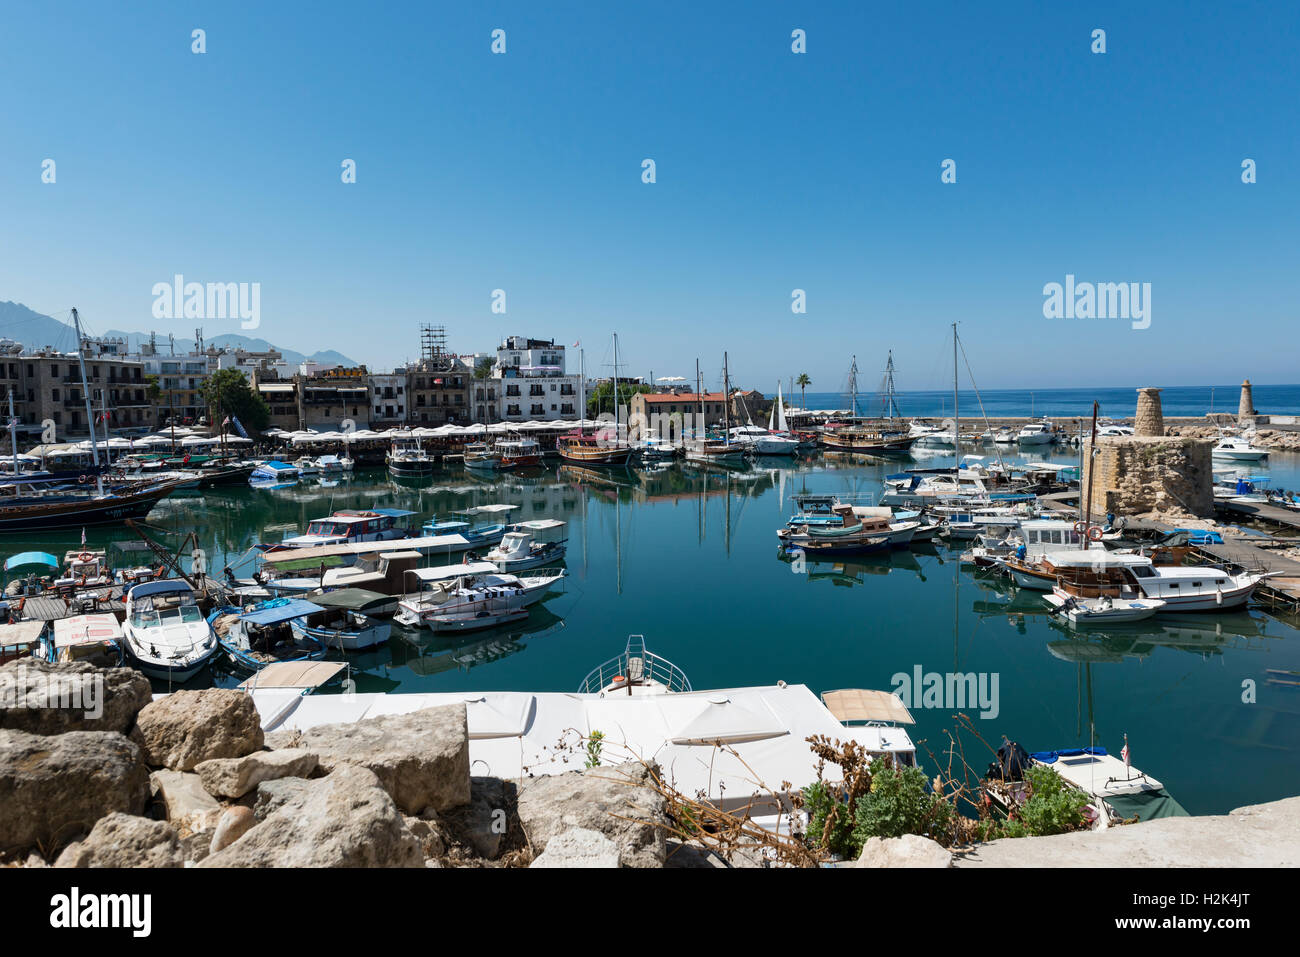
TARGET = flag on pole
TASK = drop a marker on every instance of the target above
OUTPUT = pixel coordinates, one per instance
(83, 536)
(577, 344)
(239, 426)
(1124, 752)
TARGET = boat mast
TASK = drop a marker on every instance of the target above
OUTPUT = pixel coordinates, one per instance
(701, 429)
(1086, 497)
(890, 405)
(13, 432)
(956, 407)
(726, 400)
(85, 394)
(853, 385)
(616, 390)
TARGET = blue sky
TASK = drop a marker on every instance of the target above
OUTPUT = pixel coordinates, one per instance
(775, 171)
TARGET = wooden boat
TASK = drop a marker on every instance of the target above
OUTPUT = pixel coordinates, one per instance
(868, 440)
(347, 620)
(71, 510)
(263, 634)
(715, 452)
(588, 450)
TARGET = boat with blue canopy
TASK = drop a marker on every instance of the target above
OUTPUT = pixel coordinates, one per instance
(263, 634)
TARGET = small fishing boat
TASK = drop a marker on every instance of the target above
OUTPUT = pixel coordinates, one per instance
(1101, 611)
(274, 471)
(652, 448)
(347, 620)
(262, 634)
(165, 634)
(1116, 790)
(852, 526)
(715, 452)
(307, 466)
(520, 549)
(479, 620)
(470, 588)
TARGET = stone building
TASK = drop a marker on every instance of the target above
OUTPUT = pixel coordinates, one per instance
(47, 388)
(329, 399)
(1148, 471)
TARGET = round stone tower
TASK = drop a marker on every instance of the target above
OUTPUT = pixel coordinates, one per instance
(1150, 420)
(1246, 410)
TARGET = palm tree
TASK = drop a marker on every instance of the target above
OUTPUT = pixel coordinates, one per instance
(802, 382)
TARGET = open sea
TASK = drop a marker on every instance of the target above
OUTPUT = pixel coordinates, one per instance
(1116, 403)
(689, 559)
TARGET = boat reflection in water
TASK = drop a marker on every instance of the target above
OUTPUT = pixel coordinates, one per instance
(856, 571)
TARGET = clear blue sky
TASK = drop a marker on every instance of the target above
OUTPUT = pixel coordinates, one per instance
(775, 171)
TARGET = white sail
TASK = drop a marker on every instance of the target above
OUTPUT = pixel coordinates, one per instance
(779, 411)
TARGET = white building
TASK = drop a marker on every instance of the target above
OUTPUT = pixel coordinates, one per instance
(388, 400)
(534, 385)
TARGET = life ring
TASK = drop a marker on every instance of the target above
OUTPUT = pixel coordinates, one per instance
(1081, 528)
(1094, 533)
(83, 479)
(85, 557)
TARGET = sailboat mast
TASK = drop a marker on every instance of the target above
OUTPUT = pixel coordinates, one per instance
(616, 387)
(700, 427)
(956, 404)
(853, 385)
(726, 398)
(85, 394)
(13, 431)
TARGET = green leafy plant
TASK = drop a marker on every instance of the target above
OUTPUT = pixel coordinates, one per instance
(594, 741)
(1053, 807)
(898, 803)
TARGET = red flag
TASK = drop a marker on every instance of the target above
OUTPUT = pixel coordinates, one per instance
(1124, 752)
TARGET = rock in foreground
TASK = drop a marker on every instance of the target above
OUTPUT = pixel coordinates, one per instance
(421, 758)
(616, 801)
(44, 698)
(189, 727)
(54, 788)
(342, 820)
(122, 840)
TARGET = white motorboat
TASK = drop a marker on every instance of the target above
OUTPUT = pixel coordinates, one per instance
(307, 466)
(1004, 436)
(930, 436)
(760, 441)
(520, 549)
(653, 448)
(479, 620)
(164, 632)
(408, 459)
(1101, 611)
(468, 589)
(1036, 433)
(330, 465)
(1237, 449)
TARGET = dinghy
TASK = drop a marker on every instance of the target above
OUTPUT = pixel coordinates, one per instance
(1101, 611)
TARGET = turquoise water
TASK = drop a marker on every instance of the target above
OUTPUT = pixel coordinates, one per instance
(689, 559)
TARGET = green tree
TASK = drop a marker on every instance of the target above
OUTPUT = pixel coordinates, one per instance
(152, 390)
(803, 382)
(227, 392)
(483, 368)
(600, 399)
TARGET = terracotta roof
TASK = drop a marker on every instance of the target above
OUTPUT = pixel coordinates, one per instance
(688, 397)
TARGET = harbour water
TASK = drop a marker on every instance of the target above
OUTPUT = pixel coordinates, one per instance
(689, 558)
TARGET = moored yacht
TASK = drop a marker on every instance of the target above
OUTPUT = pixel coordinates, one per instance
(468, 589)
(164, 633)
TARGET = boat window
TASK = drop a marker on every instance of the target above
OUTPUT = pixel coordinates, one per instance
(1142, 571)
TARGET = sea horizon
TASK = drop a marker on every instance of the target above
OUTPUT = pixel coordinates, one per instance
(1117, 403)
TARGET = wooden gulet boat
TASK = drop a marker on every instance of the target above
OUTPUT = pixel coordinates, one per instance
(581, 449)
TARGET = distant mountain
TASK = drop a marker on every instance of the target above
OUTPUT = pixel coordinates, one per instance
(34, 330)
